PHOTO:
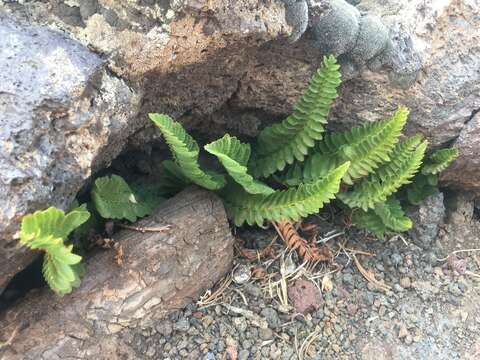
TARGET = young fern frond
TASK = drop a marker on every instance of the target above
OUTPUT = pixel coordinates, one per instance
(114, 199)
(439, 161)
(185, 152)
(47, 231)
(406, 159)
(291, 204)
(366, 147)
(172, 180)
(234, 156)
(282, 143)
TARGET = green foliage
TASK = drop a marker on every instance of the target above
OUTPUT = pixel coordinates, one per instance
(172, 180)
(185, 152)
(282, 143)
(234, 155)
(366, 147)
(387, 215)
(406, 159)
(422, 187)
(47, 231)
(290, 204)
(439, 161)
(114, 199)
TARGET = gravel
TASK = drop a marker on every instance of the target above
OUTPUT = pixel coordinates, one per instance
(431, 312)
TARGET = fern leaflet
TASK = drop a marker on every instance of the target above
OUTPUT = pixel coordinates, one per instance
(47, 231)
(439, 161)
(114, 199)
(185, 152)
(406, 159)
(366, 147)
(282, 205)
(282, 143)
(234, 155)
(370, 221)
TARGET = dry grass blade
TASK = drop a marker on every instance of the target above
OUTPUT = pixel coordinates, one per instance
(145, 229)
(210, 298)
(293, 241)
(369, 275)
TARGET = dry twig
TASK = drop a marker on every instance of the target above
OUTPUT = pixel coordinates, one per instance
(145, 229)
(369, 275)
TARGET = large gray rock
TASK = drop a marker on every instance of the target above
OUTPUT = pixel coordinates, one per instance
(62, 117)
(464, 172)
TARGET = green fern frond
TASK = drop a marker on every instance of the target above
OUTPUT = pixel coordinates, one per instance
(406, 159)
(47, 231)
(366, 147)
(392, 215)
(114, 199)
(282, 143)
(370, 221)
(185, 152)
(234, 156)
(422, 187)
(291, 204)
(172, 180)
(387, 215)
(439, 161)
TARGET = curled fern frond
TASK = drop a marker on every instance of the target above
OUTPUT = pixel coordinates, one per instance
(406, 159)
(439, 161)
(114, 199)
(234, 156)
(366, 147)
(47, 231)
(185, 152)
(282, 143)
(291, 204)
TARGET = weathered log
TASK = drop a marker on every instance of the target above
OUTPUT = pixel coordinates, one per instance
(161, 272)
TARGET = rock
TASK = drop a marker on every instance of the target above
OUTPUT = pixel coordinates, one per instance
(243, 355)
(63, 117)
(462, 228)
(272, 317)
(464, 172)
(165, 328)
(427, 219)
(372, 39)
(336, 31)
(305, 296)
(405, 282)
(266, 334)
(296, 14)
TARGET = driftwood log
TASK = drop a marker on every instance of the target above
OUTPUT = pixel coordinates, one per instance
(161, 272)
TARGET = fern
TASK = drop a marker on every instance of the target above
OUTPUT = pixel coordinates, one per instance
(422, 187)
(370, 221)
(439, 161)
(185, 152)
(172, 180)
(366, 147)
(288, 204)
(114, 199)
(47, 231)
(282, 143)
(387, 215)
(406, 159)
(234, 155)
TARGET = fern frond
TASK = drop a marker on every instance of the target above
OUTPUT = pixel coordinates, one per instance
(366, 147)
(114, 199)
(185, 153)
(422, 187)
(291, 204)
(234, 156)
(439, 161)
(406, 159)
(370, 221)
(282, 143)
(47, 230)
(172, 180)
(392, 215)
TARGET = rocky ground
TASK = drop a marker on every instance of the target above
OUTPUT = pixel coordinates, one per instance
(424, 307)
